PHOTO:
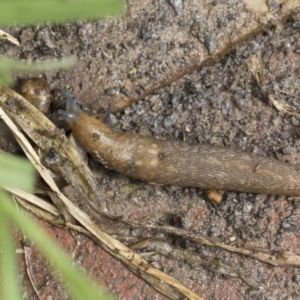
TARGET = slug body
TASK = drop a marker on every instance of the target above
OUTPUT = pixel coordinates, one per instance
(37, 92)
(178, 163)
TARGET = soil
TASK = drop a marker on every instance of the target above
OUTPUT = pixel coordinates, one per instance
(219, 104)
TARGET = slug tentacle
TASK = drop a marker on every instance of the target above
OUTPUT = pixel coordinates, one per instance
(72, 112)
(107, 118)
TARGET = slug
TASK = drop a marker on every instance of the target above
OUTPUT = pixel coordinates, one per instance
(37, 92)
(167, 162)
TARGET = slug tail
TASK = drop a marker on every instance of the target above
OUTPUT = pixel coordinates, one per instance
(72, 112)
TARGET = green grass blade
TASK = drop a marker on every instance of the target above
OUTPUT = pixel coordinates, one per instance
(80, 286)
(7, 67)
(14, 65)
(10, 287)
(16, 172)
(33, 11)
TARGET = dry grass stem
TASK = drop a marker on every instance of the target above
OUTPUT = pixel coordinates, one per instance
(161, 281)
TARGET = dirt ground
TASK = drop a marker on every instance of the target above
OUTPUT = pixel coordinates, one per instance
(219, 104)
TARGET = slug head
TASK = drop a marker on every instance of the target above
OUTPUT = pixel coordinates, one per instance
(72, 113)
